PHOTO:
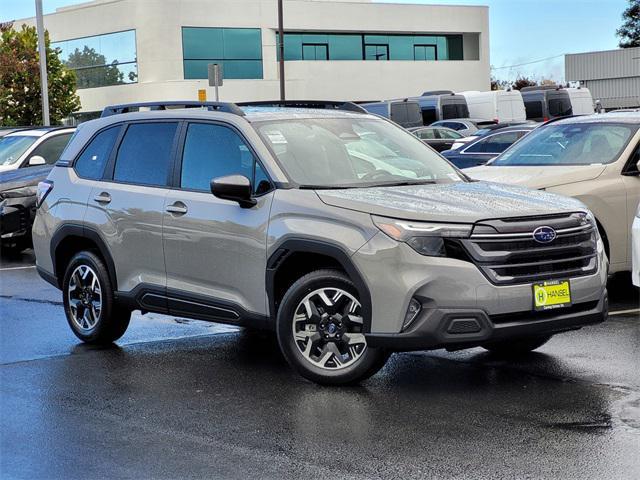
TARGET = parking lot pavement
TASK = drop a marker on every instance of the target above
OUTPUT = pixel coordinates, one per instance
(193, 399)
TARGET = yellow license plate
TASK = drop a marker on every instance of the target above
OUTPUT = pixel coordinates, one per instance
(552, 294)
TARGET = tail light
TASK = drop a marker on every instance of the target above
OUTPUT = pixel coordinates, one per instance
(44, 188)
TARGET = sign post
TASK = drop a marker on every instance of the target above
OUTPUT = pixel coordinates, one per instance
(214, 72)
(42, 53)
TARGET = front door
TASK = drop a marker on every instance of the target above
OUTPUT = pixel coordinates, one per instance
(215, 250)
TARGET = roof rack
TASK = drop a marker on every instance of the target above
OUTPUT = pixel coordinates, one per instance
(437, 92)
(169, 105)
(535, 88)
(321, 104)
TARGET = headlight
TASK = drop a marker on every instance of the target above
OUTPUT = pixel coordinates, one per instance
(20, 192)
(426, 238)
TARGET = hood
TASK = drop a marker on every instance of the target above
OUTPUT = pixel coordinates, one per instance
(538, 176)
(23, 177)
(465, 202)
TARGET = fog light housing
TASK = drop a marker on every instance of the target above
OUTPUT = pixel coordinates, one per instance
(412, 312)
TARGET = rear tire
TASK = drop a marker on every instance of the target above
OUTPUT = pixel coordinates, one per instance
(88, 301)
(517, 347)
(320, 330)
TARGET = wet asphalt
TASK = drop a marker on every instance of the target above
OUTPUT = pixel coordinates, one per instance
(187, 399)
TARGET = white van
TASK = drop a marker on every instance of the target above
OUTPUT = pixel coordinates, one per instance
(581, 101)
(498, 105)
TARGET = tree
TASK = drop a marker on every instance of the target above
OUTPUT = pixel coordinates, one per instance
(20, 94)
(88, 77)
(629, 32)
(522, 82)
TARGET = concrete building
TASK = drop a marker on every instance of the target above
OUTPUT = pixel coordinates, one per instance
(141, 50)
(612, 76)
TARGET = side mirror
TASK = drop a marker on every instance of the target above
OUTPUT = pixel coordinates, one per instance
(37, 160)
(236, 188)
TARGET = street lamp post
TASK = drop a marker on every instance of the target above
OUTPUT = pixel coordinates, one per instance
(281, 49)
(42, 51)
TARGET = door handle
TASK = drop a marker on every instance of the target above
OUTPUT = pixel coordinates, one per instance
(103, 197)
(177, 208)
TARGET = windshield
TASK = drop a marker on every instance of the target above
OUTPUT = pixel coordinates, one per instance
(571, 144)
(12, 148)
(352, 152)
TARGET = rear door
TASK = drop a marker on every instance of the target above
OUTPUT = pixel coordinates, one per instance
(215, 250)
(127, 207)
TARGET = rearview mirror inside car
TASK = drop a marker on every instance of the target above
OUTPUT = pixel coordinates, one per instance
(37, 160)
(236, 188)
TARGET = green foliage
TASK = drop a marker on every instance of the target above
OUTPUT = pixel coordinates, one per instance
(629, 32)
(20, 100)
(93, 77)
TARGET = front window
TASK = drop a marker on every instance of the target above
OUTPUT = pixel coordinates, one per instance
(570, 144)
(13, 147)
(352, 152)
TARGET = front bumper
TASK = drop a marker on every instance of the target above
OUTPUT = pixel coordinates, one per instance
(16, 216)
(461, 308)
(455, 329)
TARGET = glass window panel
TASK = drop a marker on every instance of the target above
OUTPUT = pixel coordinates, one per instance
(314, 38)
(454, 47)
(212, 151)
(105, 76)
(94, 158)
(424, 52)
(400, 47)
(202, 43)
(292, 46)
(241, 69)
(376, 52)
(345, 47)
(315, 52)
(379, 39)
(242, 44)
(144, 156)
(51, 148)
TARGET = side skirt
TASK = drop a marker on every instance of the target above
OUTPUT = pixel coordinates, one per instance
(149, 298)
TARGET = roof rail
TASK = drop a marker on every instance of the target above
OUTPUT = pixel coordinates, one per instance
(536, 88)
(321, 104)
(173, 104)
(437, 92)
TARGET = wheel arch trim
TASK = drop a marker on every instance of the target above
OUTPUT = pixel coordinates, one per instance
(336, 252)
(76, 230)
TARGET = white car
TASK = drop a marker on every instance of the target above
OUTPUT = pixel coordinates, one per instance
(33, 147)
(594, 158)
(635, 249)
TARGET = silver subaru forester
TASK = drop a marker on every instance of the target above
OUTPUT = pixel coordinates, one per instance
(337, 229)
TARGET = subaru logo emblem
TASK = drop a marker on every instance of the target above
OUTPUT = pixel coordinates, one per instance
(544, 235)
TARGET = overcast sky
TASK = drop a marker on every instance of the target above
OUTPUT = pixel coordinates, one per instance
(521, 31)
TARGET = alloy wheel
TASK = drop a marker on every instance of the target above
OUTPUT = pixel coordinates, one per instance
(327, 328)
(85, 297)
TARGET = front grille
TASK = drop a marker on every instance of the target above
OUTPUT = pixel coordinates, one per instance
(507, 253)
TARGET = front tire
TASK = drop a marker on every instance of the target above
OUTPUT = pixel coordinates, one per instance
(88, 301)
(320, 330)
(517, 347)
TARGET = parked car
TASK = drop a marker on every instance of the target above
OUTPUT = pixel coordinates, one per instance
(490, 128)
(543, 103)
(498, 105)
(438, 138)
(486, 147)
(33, 147)
(18, 190)
(272, 218)
(635, 247)
(443, 106)
(464, 126)
(405, 113)
(591, 158)
(581, 101)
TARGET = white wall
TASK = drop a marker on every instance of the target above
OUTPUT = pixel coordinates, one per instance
(158, 26)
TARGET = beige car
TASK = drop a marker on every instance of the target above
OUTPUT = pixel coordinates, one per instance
(595, 159)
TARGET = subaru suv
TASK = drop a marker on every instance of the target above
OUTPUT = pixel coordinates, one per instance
(337, 229)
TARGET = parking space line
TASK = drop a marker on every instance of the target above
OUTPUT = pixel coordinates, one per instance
(625, 312)
(17, 268)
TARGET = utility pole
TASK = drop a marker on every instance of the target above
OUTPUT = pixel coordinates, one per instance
(281, 49)
(42, 51)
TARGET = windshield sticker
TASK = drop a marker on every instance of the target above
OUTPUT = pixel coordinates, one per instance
(276, 137)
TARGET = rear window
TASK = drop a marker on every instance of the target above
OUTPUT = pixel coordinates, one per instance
(534, 109)
(560, 106)
(144, 156)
